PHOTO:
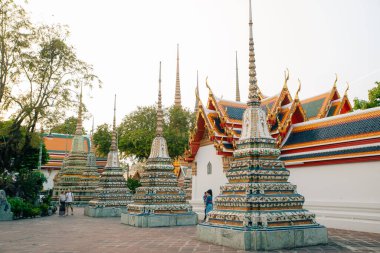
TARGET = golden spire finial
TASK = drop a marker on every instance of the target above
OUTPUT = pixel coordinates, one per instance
(92, 149)
(196, 95)
(299, 88)
(347, 88)
(286, 72)
(237, 80)
(160, 113)
(177, 99)
(336, 80)
(113, 140)
(79, 128)
(253, 96)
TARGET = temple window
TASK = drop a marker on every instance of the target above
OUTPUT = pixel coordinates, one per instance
(209, 168)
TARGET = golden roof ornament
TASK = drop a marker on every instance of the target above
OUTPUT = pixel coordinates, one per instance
(336, 80)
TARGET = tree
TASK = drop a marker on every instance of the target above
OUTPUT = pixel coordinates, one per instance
(177, 130)
(102, 140)
(52, 69)
(373, 99)
(67, 127)
(132, 184)
(15, 30)
(138, 129)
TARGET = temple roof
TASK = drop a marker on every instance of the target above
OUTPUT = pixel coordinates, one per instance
(221, 118)
(58, 145)
(337, 139)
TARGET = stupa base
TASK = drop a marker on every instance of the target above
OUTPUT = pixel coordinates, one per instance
(159, 220)
(99, 212)
(270, 239)
(5, 216)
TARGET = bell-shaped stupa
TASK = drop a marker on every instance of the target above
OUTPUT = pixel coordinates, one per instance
(74, 165)
(159, 202)
(258, 209)
(112, 194)
(90, 177)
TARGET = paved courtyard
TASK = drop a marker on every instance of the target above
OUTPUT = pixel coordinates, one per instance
(78, 233)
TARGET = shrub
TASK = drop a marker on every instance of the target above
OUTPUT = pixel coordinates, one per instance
(17, 206)
(44, 209)
(22, 209)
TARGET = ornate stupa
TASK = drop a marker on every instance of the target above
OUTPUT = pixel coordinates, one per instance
(73, 165)
(112, 194)
(159, 201)
(258, 209)
(90, 177)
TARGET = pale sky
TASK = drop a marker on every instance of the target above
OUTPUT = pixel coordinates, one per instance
(125, 40)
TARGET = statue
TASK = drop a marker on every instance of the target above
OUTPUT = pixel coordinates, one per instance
(5, 207)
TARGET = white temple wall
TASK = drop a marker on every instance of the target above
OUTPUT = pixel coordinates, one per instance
(50, 176)
(203, 181)
(345, 196)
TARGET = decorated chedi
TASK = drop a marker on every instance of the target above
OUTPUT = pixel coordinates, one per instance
(159, 201)
(73, 165)
(90, 177)
(112, 194)
(258, 209)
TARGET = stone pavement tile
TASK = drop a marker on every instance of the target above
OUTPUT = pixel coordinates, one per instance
(108, 235)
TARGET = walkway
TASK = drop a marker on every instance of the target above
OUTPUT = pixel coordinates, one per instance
(84, 234)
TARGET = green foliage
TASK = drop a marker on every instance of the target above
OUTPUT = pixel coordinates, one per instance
(177, 130)
(29, 184)
(44, 209)
(132, 184)
(15, 32)
(373, 99)
(67, 127)
(17, 206)
(22, 209)
(102, 140)
(138, 129)
(19, 149)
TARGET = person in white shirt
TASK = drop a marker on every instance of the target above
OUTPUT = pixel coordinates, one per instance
(69, 202)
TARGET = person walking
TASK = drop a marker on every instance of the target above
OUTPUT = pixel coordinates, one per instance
(209, 204)
(62, 203)
(69, 202)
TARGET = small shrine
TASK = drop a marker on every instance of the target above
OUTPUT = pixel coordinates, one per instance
(74, 165)
(258, 209)
(90, 177)
(112, 194)
(159, 202)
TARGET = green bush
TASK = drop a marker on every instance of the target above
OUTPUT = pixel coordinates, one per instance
(17, 206)
(44, 209)
(22, 209)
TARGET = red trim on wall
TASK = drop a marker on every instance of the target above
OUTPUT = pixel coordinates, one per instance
(336, 161)
(330, 146)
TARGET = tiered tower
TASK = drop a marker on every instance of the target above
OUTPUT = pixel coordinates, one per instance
(177, 97)
(159, 201)
(90, 177)
(237, 90)
(112, 195)
(73, 165)
(258, 208)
